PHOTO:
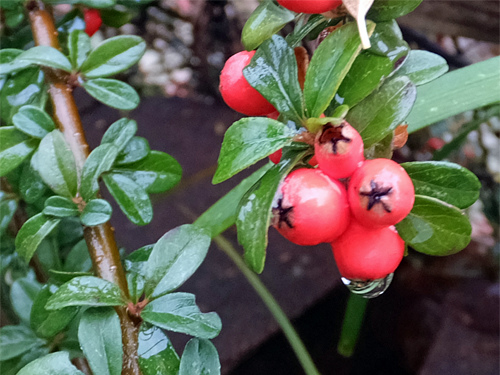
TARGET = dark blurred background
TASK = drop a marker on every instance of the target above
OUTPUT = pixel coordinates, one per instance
(440, 315)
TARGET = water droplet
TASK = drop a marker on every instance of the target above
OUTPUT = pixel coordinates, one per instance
(368, 289)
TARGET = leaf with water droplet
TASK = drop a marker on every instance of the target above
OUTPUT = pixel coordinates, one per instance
(386, 10)
(96, 212)
(15, 147)
(32, 233)
(57, 363)
(33, 121)
(178, 312)
(422, 67)
(78, 47)
(156, 353)
(100, 160)
(60, 207)
(86, 291)
(120, 133)
(200, 357)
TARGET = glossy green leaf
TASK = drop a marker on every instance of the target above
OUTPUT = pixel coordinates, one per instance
(175, 257)
(33, 121)
(60, 207)
(12, 366)
(248, 141)
(314, 25)
(57, 363)
(96, 212)
(372, 66)
(386, 10)
(16, 340)
(383, 110)
(100, 160)
(265, 21)
(78, 259)
(8, 208)
(329, 65)
(422, 67)
(56, 164)
(273, 72)
(157, 173)
(86, 291)
(44, 56)
(22, 88)
(199, 357)
(116, 18)
(131, 197)
(156, 353)
(47, 323)
(70, 232)
(435, 228)
(61, 277)
(15, 147)
(120, 133)
(114, 55)
(32, 233)
(7, 55)
(113, 93)
(445, 181)
(100, 338)
(78, 47)
(136, 150)
(135, 267)
(178, 312)
(255, 210)
(462, 90)
(222, 214)
(31, 185)
(22, 294)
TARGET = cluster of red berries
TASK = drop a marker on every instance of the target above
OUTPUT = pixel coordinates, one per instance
(349, 202)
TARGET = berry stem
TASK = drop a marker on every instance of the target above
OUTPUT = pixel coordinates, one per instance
(352, 324)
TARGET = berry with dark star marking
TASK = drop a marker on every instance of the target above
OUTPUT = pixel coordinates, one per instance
(380, 193)
(310, 208)
(339, 150)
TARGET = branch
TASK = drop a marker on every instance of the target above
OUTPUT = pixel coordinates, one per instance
(100, 239)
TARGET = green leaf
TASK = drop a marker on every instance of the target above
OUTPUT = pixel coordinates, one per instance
(100, 160)
(462, 90)
(60, 207)
(7, 55)
(31, 185)
(136, 150)
(178, 312)
(273, 72)
(86, 291)
(47, 323)
(329, 65)
(372, 66)
(255, 210)
(120, 133)
(113, 93)
(78, 47)
(132, 198)
(156, 353)
(422, 67)
(265, 21)
(175, 257)
(14, 148)
(57, 363)
(383, 110)
(445, 181)
(135, 266)
(98, 3)
(8, 208)
(114, 55)
(156, 173)
(96, 212)
(56, 164)
(314, 25)
(248, 141)
(44, 56)
(22, 88)
(100, 338)
(61, 277)
(33, 121)
(435, 228)
(32, 233)
(386, 10)
(22, 294)
(16, 340)
(223, 213)
(200, 357)
(78, 259)
(116, 18)
(12, 366)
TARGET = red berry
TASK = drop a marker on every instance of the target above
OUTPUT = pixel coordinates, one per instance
(93, 21)
(363, 253)
(275, 157)
(435, 143)
(237, 92)
(310, 6)
(339, 150)
(311, 208)
(380, 193)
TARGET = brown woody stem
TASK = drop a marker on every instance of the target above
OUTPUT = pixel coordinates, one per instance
(100, 239)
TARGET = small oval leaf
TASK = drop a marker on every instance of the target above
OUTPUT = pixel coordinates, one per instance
(33, 121)
(96, 212)
(199, 357)
(32, 234)
(113, 93)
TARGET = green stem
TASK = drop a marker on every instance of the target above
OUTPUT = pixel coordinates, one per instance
(351, 326)
(273, 306)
